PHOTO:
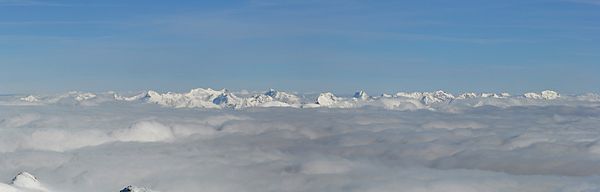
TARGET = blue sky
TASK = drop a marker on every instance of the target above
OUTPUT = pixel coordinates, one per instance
(301, 45)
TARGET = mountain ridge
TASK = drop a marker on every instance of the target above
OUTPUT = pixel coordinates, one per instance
(208, 98)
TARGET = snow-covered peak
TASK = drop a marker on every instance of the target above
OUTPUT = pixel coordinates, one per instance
(327, 99)
(135, 189)
(495, 95)
(225, 99)
(412, 95)
(203, 98)
(427, 97)
(547, 95)
(467, 96)
(271, 92)
(472, 95)
(30, 98)
(74, 97)
(28, 182)
(204, 93)
(283, 97)
(208, 98)
(361, 95)
(490, 95)
(137, 97)
(436, 97)
(443, 95)
(25, 179)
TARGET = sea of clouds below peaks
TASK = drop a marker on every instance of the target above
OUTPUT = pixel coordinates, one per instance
(106, 147)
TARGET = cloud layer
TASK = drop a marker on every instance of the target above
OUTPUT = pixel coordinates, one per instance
(106, 147)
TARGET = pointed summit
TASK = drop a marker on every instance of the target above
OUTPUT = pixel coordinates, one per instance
(135, 189)
(27, 181)
(283, 96)
(361, 95)
(436, 97)
(272, 93)
(327, 99)
(546, 95)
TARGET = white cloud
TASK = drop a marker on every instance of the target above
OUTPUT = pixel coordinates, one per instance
(108, 146)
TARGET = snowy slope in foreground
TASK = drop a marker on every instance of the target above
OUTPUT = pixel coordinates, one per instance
(25, 182)
(221, 99)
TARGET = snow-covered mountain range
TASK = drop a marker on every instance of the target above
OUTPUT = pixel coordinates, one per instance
(208, 98)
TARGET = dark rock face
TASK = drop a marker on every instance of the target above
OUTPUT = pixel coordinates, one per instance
(127, 189)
